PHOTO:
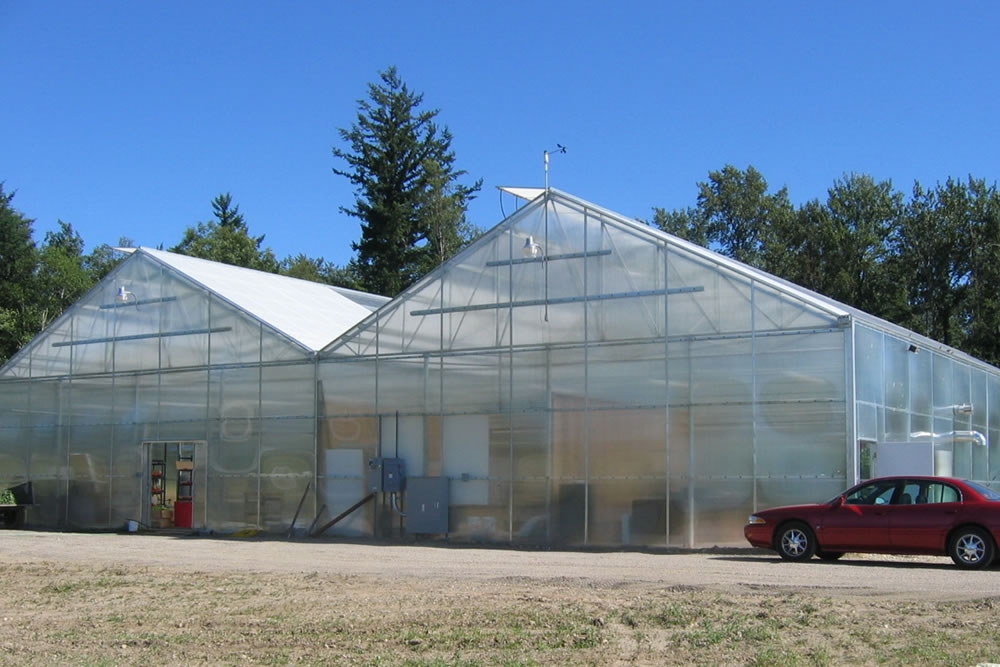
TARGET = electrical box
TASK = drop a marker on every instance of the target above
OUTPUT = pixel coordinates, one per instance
(427, 501)
(386, 475)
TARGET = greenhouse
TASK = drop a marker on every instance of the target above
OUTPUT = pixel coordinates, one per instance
(572, 378)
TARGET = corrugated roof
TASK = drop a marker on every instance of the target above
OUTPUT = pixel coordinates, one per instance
(312, 314)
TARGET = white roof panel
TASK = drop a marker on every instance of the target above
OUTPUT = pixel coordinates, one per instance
(312, 314)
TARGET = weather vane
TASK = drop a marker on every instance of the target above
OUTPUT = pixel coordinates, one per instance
(558, 149)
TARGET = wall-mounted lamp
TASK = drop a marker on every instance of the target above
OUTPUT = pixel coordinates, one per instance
(124, 296)
(530, 248)
(912, 348)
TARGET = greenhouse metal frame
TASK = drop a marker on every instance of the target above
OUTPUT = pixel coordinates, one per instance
(572, 378)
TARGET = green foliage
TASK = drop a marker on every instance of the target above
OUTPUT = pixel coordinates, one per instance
(407, 195)
(318, 270)
(227, 239)
(18, 259)
(930, 263)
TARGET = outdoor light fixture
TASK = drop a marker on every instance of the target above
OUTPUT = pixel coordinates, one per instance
(124, 296)
(531, 249)
(912, 348)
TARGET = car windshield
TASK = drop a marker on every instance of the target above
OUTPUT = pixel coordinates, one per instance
(985, 491)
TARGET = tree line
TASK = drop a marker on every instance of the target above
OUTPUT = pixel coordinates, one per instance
(928, 260)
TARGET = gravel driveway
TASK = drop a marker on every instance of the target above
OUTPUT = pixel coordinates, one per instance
(927, 578)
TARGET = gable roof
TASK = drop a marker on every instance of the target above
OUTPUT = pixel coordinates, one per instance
(311, 314)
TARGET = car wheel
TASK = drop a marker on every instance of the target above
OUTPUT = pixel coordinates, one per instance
(794, 541)
(971, 548)
(830, 555)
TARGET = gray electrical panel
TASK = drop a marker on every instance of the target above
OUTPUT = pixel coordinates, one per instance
(427, 505)
(386, 475)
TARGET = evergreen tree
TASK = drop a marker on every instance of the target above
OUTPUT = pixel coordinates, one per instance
(18, 259)
(227, 239)
(407, 195)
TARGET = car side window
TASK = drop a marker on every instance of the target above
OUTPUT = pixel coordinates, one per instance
(941, 493)
(908, 494)
(871, 494)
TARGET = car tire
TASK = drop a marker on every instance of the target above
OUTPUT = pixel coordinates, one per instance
(971, 548)
(795, 541)
(830, 555)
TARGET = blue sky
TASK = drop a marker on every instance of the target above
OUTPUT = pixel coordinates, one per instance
(128, 118)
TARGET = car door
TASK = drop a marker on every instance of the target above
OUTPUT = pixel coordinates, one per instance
(924, 525)
(859, 522)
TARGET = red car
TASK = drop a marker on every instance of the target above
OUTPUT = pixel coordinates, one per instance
(933, 516)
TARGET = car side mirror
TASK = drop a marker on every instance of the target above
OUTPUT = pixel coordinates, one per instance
(837, 502)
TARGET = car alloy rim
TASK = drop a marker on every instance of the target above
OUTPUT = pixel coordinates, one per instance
(794, 543)
(971, 548)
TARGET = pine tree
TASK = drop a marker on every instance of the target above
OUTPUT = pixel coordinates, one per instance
(407, 195)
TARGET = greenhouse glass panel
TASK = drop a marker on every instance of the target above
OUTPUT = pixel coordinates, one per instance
(234, 399)
(91, 401)
(867, 424)
(126, 456)
(627, 375)
(627, 318)
(944, 383)
(921, 384)
(632, 263)
(799, 367)
(527, 435)
(47, 468)
(721, 371)
(347, 388)
(723, 436)
(183, 396)
(803, 440)
(15, 433)
(962, 386)
(569, 441)
(775, 310)
(896, 367)
(567, 374)
(868, 365)
(471, 383)
(897, 425)
(404, 384)
(627, 443)
(680, 462)
(288, 391)
(235, 337)
(530, 515)
(777, 491)
(185, 327)
(89, 476)
(287, 456)
(693, 304)
(720, 510)
(530, 381)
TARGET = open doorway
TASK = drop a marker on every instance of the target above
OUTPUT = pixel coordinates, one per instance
(173, 483)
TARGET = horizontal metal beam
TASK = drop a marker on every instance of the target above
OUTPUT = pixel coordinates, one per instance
(556, 301)
(167, 334)
(547, 258)
(138, 302)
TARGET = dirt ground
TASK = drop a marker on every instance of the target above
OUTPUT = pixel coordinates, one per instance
(172, 599)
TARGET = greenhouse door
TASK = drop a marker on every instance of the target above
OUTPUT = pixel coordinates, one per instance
(173, 483)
